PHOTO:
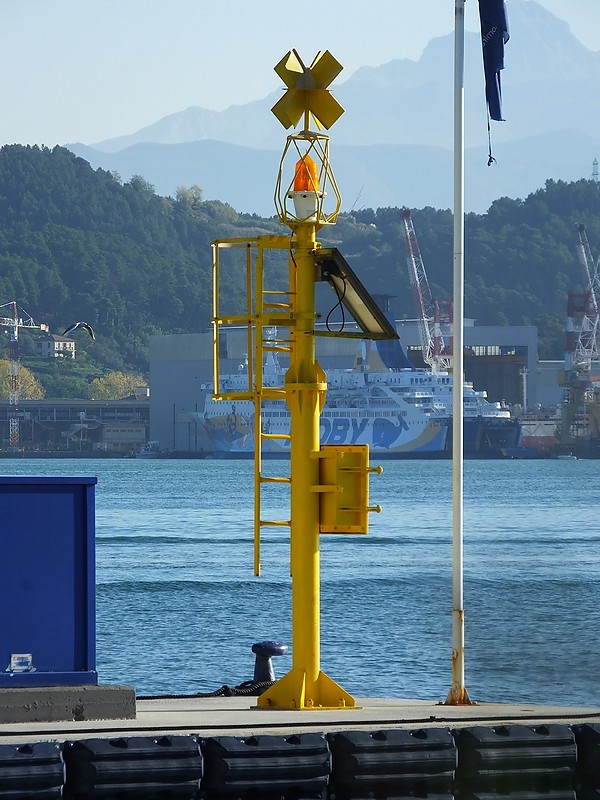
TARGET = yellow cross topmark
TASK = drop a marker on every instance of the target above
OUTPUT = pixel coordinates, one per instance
(307, 94)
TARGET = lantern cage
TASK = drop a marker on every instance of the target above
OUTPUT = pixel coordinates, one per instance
(303, 198)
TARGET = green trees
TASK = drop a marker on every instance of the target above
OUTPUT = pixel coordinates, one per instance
(77, 243)
(189, 197)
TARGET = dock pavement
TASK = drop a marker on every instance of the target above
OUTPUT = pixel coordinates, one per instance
(240, 717)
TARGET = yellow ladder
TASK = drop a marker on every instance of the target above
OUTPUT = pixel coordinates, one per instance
(265, 345)
(265, 309)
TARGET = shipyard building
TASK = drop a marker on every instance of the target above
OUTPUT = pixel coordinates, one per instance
(78, 427)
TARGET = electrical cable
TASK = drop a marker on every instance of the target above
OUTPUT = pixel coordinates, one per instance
(340, 299)
(245, 689)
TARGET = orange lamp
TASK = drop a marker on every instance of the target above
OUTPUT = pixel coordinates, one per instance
(306, 177)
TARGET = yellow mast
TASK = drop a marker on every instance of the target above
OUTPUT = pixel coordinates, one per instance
(305, 686)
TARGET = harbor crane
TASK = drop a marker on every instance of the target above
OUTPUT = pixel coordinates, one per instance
(432, 315)
(18, 319)
(582, 310)
(583, 320)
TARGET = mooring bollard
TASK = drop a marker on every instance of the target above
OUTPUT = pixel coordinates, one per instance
(263, 667)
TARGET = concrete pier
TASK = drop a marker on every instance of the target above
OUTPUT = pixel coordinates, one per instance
(239, 716)
(61, 704)
(226, 747)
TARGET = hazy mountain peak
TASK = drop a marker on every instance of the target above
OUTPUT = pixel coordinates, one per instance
(197, 124)
(407, 101)
(544, 48)
(399, 124)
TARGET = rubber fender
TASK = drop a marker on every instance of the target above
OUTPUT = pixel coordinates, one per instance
(587, 738)
(524, 794)
(31, 770)
(266, 766)
(542, 754)
(416, 760)
(148, 767)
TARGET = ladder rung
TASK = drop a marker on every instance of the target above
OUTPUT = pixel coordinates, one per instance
(277, 305)
(233, 395)
(275, 435)
(275, 523)
(277, 291)
(267, 479)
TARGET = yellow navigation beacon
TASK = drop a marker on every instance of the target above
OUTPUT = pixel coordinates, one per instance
(328, 486)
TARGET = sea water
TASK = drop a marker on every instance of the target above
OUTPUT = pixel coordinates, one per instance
(178, 605)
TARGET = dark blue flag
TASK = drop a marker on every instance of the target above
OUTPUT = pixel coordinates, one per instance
(494, 35)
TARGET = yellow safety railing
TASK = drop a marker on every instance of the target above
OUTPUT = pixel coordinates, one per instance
(265, 309)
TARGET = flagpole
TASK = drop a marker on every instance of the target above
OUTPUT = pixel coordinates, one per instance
(458, 693)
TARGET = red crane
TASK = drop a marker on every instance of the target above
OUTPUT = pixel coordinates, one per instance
(579, 413)
(583, 316)
(432, 315)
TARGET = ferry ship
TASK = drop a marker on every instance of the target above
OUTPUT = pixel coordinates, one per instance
(383, 401)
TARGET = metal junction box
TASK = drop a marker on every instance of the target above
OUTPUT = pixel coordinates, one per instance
(47, 582)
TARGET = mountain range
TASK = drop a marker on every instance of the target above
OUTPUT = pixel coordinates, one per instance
(394, 144)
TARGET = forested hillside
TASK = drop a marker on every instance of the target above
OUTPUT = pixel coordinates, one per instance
(78, 244)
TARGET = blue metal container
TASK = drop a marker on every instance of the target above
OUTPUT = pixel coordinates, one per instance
(47, 582)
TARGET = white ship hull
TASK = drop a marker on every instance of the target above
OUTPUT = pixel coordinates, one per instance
(399, 411)
(230, 427)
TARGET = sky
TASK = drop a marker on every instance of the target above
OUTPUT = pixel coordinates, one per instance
(88, 70)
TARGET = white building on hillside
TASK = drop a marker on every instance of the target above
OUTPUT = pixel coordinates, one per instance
(53, 346)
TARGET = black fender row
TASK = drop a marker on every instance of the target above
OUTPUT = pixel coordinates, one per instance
(549, 762)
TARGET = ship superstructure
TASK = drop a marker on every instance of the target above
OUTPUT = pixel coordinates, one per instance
(383, 401)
